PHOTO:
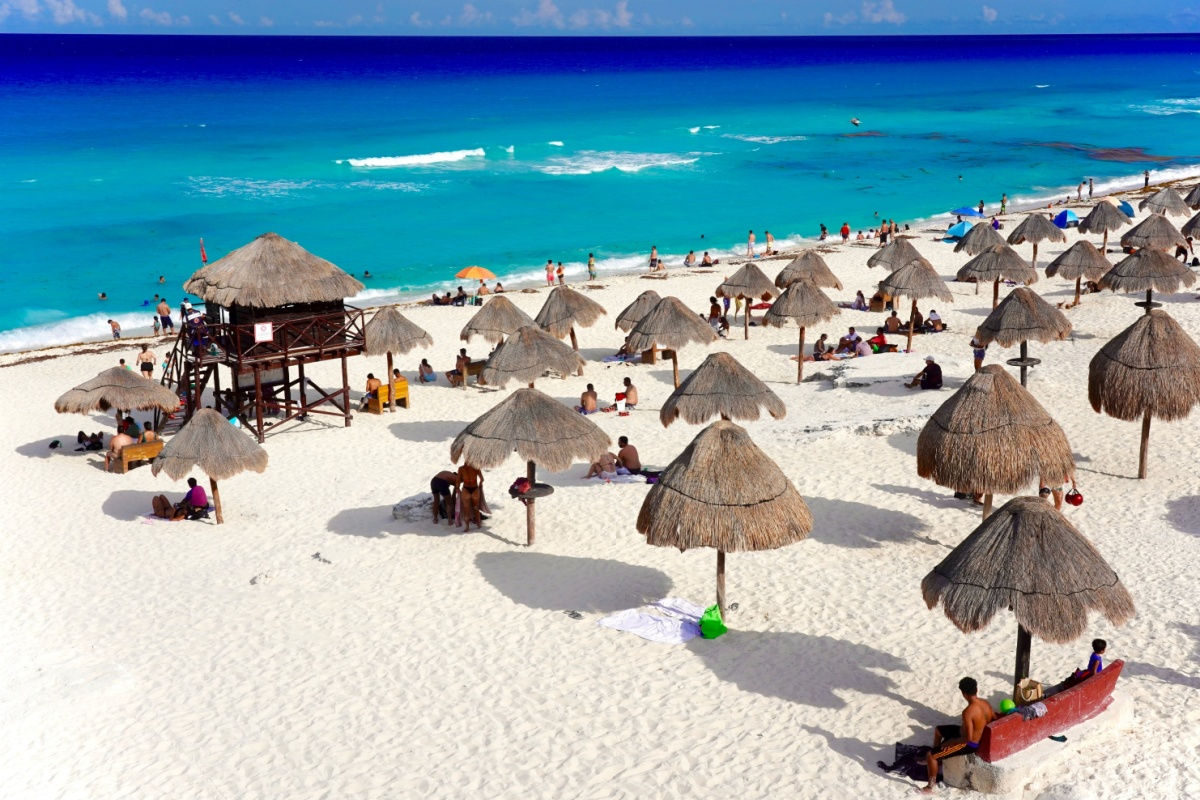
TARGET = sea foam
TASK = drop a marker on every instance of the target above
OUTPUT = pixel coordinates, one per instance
(745, 137)
(587, 162)
(418, 160)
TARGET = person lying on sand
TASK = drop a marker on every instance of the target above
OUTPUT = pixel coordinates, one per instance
(94, 441)
(951, 741)
(605, 467)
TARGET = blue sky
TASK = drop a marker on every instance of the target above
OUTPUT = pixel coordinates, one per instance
(595, 17)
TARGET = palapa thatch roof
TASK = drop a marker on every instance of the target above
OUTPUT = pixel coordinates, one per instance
(992, 436)
(538, 427)
(801, 303)
(998, 263)
(720, 387)
(1029, 558)
(1165, 201)
(389, 331)
(894, 254)
(527, 354)
(1191, 227)
(1154, 231)
(498, 318)
(566, 308)
(209, 442)
(982, 236)
(916, 280)
(117, 388)
(1103, 218)
(1036, 228)
(1148, 269)
(670, 324)
(1080, 260)
(810, 265)
(1153, 365)
(632, 314)
(749, 281)
(723, 492)
(1023, 316)
(1193, 197)
(270, 272)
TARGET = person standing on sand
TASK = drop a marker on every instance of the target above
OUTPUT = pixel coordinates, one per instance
(981, 208)
(978, 351)
(591, 267)
(561, 274)
(952, 741)
(549, 272)
(146, 360)
(1091, 188)
(653, 257)
(770, 243)
(470, 495)
(845, 232)
(1146, 179)
(116, 328)
(750, 245)
(1003, 203)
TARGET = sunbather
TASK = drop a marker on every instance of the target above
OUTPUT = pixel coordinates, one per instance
(605, 467)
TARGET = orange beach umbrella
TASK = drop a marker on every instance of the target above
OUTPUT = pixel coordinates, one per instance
(476, 273)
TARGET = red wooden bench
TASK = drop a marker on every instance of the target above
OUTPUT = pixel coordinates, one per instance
(1010, 733)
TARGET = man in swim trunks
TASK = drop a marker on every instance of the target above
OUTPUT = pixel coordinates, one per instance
(443, 485)
(750, 245)
(951, 741)
(587, 401)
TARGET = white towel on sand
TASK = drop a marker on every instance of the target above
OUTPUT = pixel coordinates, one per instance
(671, 620)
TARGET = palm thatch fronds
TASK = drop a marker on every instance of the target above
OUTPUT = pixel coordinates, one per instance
(1191, 227)
(270, 272)
(117, 388)
(1029, 558)
(497, 319)
(803, 304)
(389, 331)
(1079, 261)
(527, 354)
(749, 283)
(1165, 201)
(1150, 369)
(219, 449)
(997, 264)
(1023, 316)
(670, 324)
(1193, 197)
(981, 237)
(539, 429)
(1035, 229)
(895, 254)
(1148, 271)
(564, 309)
(992, 436)
(722, 387)
(1155, 231)
(723, 492)
(916, 280)
(810, 265)
(1103, 218)
(632, 314)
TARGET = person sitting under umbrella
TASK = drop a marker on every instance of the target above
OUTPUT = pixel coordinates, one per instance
(115, 445)
(194, 504)
(460, 299)
(951, 741)
(928, 378)
(627, 456)
(848, 342)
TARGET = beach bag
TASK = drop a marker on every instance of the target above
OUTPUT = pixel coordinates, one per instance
(711, 624)
(1074, 497)
(520, 486)
(1029, 691)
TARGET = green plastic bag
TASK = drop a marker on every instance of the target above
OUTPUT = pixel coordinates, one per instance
(711, 624)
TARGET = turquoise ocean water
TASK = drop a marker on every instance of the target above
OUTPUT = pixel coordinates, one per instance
(412, 158)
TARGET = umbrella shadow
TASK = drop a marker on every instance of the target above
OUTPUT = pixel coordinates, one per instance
(593, 354)
(802, 668)
(428, 431)
(865, 754)
(556, 583)
(849, 524)
(1184, 514)
(904, 441)
(41, 448)
(1164, 674)
(924, 495)
(129, 505)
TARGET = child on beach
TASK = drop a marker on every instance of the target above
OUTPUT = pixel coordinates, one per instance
(1095, 663)
(591, 267)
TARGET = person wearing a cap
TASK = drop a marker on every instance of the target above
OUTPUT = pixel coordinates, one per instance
(928, 378)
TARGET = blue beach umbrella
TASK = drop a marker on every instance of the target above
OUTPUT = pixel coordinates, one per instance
(966, 212)
(958, 231)
(1066, 219)
(1125, 208)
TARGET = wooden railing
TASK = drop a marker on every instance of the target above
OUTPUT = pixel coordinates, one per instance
(310, 337)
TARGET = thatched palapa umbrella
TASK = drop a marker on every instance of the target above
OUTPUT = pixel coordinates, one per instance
(1193, 197)
(1103, 218)
(723, 492)
(527, 354)
(749, 283)
(1029, 558)
(1191, 227)
(810, 265)
(390, 331)
(540, 430)
(1023, 315)
(671, 325)
(219, 449)
(722, 387)
(894, 255)
(1148, 270)
(1165, 201)
(1150, 369)
(916, 280)
(632, 314)
(997, 264)
(992, 436)
(119, 389)
(1155, 232)
(1036, 228)
(563, 310)
(497, 319)
(1080, 260)
(803, 304)
(981, 237)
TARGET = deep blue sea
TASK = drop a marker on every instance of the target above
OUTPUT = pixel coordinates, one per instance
(414, 157)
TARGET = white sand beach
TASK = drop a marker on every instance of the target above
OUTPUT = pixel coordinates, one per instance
(149, 659)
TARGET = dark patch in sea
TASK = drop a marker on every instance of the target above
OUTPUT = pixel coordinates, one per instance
(861, 134)
(1129, 155)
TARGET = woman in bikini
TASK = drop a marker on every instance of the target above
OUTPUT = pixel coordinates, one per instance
(470, 490)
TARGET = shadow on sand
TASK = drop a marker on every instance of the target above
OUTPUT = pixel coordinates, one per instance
(1184, 514)
(431, 431)
(558, 583)
(849, 524)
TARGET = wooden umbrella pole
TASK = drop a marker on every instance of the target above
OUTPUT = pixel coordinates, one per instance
(721, 581)
(575, 347)
(746, 320)
(1023, 647)
(675, 367)
(531, 475)
(995, 292)
(1024, 357)
(1035, 256)
(1145, 449)
(987, 505)
(1078, 282)
(912, 323)
(800, 357)
(1104, 246)
(1149, 301)
(391, 386)
(216, 500)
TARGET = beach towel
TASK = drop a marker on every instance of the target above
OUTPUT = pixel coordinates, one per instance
(616, 477)
(672, 620)
(634, 357)
(910, 762)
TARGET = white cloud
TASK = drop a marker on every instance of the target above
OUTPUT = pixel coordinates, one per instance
(471, 15)
(687, 22)
(356, 19)
(884, 11)
(989, 14)
(266, 22)
(599, 18)
(29, 9)
(157, 17)
(621, 15)
(236, 19)
(66, 12)
(840, 19)
(214, 19)
(547, 14)
(416, 20)
(117, 9)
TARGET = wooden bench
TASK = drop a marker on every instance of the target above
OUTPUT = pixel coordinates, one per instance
(132, 453)
(383, 396)
(475, 368)
(1011, 733)
(652, 355)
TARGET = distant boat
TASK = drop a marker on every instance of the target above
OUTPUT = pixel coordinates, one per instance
(855, 121)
